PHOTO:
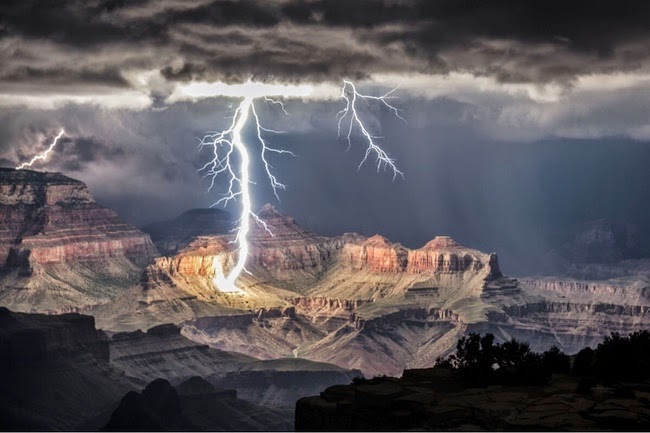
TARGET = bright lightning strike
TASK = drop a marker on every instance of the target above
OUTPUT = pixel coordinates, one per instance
(42, 156)
(349, 113)
(228, 147)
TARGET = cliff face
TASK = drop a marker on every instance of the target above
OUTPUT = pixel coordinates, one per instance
(57, 244)
(289, 247)
(36, 339)
(48, 218)
(375, 254)
(357, 302)
(440, 255)
(55, 371)
(61, 373)
(445, 255)
(366, 303)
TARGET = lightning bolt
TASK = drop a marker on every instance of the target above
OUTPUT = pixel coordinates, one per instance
(228, 147)
(42, 156)
(352, 97)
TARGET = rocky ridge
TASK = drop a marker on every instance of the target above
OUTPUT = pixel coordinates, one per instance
(431, 399)
(374, 305)
(59, 372)
(59, 249)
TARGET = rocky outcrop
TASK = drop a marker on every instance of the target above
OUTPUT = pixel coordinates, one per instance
(194, 405)
(290, 246)
(440, 255)
(37, 339)
(60, 249)
(432, 400)
(55, 372)
(375, 254)
(162, 352)
(444, 255)
(48, 218)
(366, 303)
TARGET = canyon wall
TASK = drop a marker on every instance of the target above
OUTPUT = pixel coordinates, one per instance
(59, 249)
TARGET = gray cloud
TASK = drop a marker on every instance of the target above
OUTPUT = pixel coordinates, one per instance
(97, 43)
(494, 151)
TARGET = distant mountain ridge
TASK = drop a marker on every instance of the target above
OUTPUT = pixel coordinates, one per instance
(169, 236)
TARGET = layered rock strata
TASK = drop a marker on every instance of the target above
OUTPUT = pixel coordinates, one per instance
(48, 218)
(59, 249)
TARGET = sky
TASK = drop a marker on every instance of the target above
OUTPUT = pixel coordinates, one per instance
(523, 120)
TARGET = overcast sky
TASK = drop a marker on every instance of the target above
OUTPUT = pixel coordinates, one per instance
(523, 119)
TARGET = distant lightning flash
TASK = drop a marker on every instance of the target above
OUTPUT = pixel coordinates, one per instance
(42, 156)
(229, 144)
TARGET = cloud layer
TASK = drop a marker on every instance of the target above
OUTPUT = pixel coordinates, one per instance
(101, 47)
(479, 81)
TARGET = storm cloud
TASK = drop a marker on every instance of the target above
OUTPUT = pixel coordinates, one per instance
(512, 108)
(98, 43)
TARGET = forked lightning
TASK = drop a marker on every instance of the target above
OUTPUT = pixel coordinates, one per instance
(229, 148)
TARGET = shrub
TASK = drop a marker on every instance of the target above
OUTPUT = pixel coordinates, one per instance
(583, 363)
(623, 358)
(555, 361)
(478, 361)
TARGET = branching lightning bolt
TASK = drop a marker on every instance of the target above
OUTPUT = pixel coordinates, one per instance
(228, 146)
(42, 156)
(349, 113)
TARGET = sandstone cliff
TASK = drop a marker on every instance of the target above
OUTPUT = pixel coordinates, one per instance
(59, 249)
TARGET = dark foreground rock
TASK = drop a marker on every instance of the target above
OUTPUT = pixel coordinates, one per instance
(56, 374)
(194, 405)
(430, 399)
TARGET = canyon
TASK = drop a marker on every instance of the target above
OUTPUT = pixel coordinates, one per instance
(313, 310)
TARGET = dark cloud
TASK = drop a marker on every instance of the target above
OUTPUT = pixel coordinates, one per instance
(491, 167)
(320, 40)
(75, 153)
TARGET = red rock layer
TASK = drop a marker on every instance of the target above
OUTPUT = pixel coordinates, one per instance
(444, 255)
(286, 245)
(375, 254)
(48, 218)
(440, 255)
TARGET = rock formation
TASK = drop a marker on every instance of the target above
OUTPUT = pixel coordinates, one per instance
(59, 372)
(432, 400)
(55, 372)
(59, 249)
(357, 302)
(364, 303)
(194, 405)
